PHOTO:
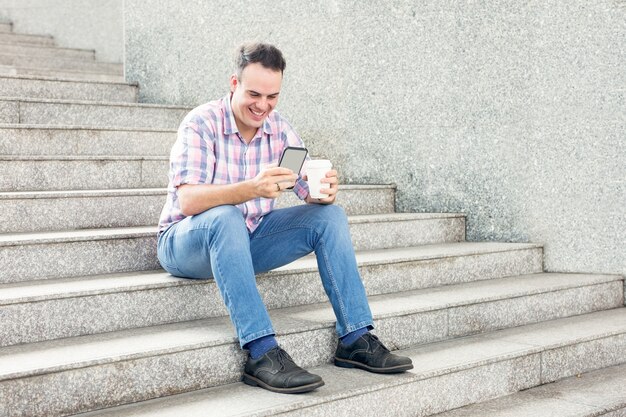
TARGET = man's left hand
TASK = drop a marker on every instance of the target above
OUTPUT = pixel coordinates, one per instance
(333, 180)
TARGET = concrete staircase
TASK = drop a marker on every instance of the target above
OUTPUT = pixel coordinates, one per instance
(89, 323)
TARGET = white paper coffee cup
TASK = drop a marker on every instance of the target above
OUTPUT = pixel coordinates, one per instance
(316, 169)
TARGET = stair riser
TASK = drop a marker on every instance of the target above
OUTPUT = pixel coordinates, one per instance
(43, 51)
(94, 115)
(98, 386)
(41, 261)
(55, 63)
(19, 39)
(50, 214)
(50, 142)
(32, 88)
(62, 74)
(37, 175)
(110, 312)
(6, 28)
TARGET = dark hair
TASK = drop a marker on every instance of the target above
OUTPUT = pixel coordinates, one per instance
(267, 55)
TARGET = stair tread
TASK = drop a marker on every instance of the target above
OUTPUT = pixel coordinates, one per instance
(94, 103)
(79, 127)
(429, 361)
(51, 356)
(145, 191)
(69, 80)
(589, 394)
(68, 71)
(442, 297)
(139, 231)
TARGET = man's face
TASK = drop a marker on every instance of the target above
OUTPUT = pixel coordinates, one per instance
(254, 96)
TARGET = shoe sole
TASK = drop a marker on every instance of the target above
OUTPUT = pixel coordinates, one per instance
(250, 380)
(345, 363)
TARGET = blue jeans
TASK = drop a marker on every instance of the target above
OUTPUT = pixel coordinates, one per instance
(216, 244)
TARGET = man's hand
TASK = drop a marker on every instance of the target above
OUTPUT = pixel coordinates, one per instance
(272, 180)
(333, 180)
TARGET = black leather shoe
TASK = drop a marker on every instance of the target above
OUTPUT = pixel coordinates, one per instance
(370, 354)
(277, 372)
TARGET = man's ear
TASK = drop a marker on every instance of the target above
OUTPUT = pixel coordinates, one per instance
(233, 83)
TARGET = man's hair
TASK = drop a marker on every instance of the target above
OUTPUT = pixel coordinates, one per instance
(267, 55)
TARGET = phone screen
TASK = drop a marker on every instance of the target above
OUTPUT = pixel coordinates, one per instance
(293, 159)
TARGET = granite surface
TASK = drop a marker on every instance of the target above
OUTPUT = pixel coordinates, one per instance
(73, 23)
(445, 376)
(77, 141)
(513, 113)
(29, 87)
(81, 174)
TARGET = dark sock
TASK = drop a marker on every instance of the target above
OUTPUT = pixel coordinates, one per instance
(261, 346)
(352, 337)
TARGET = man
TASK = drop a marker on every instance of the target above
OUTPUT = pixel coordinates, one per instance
(218, 222)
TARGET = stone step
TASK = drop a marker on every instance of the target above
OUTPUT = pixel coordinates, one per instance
(20, 39)
(93, 372)
(6, 27)
(41, 173)
(22, 139)
(112, 303)
(36, 256)
(26, 212)
(85, 113)
(47, 87)
(596, 393)
(62, 74)
(46, 51)
(20, 173)
(60, 63)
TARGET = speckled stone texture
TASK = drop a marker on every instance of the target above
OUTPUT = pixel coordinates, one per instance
(587, 395)
(61, 74)
(76, 141)
(33, 262)
(22, 39)
(9, 112)
(41, 51)
(48, 211)
(61, 64)
(86, 211)
(40, 174)
(5, 27)
(154, 298)
(355, 199)
(512, 112)
(73, 23)
(66, 90)
(446, 375)
(100, 115)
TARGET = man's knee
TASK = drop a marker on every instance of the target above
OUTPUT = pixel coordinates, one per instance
(330, 215)
(226, 216)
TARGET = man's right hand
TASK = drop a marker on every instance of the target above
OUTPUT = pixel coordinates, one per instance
(264, 183)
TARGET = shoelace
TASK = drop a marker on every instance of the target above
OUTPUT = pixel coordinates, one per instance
(283, 358)
(378, 343)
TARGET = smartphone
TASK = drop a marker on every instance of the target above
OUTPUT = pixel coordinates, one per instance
(293, 158)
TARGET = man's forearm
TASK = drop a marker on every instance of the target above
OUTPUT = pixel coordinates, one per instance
(195, 199)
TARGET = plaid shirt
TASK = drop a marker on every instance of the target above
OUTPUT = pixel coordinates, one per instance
(210, 150)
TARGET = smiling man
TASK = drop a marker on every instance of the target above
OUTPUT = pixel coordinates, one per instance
(219, 223)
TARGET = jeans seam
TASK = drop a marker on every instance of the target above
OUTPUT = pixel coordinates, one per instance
(333, 282)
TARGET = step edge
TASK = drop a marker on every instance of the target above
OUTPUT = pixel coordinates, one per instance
(524, 349)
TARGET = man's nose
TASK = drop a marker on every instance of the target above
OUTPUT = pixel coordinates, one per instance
(262, 104)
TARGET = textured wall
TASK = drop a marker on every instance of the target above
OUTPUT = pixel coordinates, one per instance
(88, 24)
(510, 111)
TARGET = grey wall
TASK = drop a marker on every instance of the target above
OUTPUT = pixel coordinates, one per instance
(87, 24)
(510, 111)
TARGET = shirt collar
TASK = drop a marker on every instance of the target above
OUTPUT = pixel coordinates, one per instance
(230, 125)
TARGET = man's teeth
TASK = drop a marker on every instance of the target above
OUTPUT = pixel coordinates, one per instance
(258, 114)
